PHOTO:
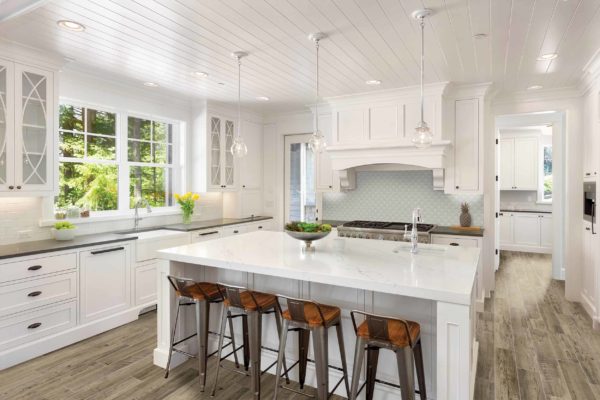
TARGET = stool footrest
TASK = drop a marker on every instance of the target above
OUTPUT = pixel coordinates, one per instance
(383, 383)
(184, 339)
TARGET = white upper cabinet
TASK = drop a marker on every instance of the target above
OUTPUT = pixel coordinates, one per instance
(251, 166)
(220, 160)
(519, 167)
(27, 146)
(326, 177)
(467, 169)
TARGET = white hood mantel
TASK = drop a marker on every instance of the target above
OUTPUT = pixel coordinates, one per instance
(346, 157)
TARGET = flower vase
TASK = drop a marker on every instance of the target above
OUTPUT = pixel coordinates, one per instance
(187, 218)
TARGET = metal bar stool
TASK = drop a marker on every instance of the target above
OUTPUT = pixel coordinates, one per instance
(403, 338)
(202, 295)
(306, 317)
(253, 305)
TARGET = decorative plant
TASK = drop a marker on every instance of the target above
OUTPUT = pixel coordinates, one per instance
(187, 202)
(64, 225)
(307, 227)
(465, 216)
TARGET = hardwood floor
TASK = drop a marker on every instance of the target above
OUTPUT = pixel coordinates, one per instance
(533, 345)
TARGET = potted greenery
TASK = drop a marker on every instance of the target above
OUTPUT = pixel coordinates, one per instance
(307, 232)
(64, 230)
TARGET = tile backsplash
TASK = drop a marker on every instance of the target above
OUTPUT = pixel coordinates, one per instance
(392, 195)
(20, 219)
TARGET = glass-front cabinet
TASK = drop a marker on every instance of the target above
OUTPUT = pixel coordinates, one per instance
(221, 165)
(26, 129)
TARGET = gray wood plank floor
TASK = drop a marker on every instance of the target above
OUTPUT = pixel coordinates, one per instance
(533, 345)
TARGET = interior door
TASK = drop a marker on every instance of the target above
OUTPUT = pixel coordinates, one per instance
(300, 176)
(507, 164)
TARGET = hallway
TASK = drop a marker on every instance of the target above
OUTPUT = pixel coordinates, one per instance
(533, 343)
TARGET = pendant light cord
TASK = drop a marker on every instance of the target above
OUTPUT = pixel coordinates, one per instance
(317, 100)
(239, 96)
(422, 67)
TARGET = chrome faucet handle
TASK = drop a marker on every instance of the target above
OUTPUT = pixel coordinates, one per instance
(406, 234)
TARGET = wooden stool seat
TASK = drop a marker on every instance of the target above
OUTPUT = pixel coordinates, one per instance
(396, 332)
(264, 301)
(199, 291)
(313, 316)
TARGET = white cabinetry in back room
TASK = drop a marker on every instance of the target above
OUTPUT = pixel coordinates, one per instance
(27, 140)
(526, 231)
(519, 166)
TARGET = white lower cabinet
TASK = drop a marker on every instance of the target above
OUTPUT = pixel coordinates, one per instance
(145, 283)
(590, 257)
(105, 278)
(526, 231)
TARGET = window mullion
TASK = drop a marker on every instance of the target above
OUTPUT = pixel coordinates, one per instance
(123, 165)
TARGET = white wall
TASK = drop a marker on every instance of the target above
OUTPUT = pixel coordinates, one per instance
(568, 101)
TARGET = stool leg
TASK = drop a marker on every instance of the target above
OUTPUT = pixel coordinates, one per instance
(420, 370)
(405, 360)
(359, 356)
(280, 355)
(172, 340)
(372, 361)
(220, 348)
(303, 343)
(340, 337)
(321, 350)
(202, 315)
(246, 342)
(231, 333)
(255, 322)
(279, 329)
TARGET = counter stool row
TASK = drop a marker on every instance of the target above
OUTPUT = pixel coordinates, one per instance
(305, 317)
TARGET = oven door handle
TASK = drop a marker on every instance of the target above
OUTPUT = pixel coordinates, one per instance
(593, 216)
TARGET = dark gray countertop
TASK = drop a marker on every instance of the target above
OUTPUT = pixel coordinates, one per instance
(49, 245)
(447, 230)
(213, 223)
(527, 211)
(333, 222)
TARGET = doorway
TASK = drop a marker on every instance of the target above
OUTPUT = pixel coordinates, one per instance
(530, 186)
(301, 200)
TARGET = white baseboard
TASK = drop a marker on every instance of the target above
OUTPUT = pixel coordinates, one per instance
(588, 305)
(48, 344)
(526, 249)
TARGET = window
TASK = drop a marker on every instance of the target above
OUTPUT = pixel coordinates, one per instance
(105, 164)
(150, 157)
(88, 170)
(545, 189)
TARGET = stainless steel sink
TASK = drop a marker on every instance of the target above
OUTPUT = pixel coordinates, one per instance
(138, 230)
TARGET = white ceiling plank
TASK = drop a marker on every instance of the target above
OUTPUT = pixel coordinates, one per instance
(479, 13)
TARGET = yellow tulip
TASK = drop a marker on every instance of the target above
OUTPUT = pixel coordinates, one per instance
(177, 197)
(196, 196)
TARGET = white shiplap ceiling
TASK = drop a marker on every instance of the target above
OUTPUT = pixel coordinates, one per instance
(165, 41)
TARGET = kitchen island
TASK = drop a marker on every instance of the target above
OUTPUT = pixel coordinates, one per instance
(434, 288)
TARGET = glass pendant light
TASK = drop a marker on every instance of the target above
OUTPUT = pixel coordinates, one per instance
(317, 141)
(238, 148)
(423, 137)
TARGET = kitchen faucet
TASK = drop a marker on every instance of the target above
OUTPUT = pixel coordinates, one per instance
(414, 233)
(140, 202)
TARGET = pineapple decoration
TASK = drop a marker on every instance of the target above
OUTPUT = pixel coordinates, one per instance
(465, 217)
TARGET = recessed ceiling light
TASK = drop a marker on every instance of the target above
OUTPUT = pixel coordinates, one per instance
(71, 25)
(263, 98)
(373, 82)
(480, 36)
(151, 84)
(200, 74)
(534, 87)
(547, 57)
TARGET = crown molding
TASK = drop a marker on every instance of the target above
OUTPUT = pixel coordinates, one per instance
(539, 95)
(30, 55)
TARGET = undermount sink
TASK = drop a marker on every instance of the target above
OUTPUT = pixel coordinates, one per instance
(429, 248)
(149, 233)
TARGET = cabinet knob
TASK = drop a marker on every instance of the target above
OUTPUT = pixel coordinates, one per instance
(330, 187)
(243, 186)
(457, 187)
(587, 229)
(11, 187)
(236, 231)
(18, 187)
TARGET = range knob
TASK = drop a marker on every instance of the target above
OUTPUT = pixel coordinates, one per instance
(360, 236)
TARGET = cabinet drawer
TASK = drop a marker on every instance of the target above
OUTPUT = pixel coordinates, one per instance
(37, 267)
(454, 241)
(204, 235)
(30, 326)
(34, 293)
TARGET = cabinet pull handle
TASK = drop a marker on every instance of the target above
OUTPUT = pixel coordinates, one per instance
(454, 244)
(260, 227)
(587, 174)
(34, 268)
(34, 294)
(501, 214)
(107, 250)
(208, 233)
(34, 325)
(236, 231)
(587, 229)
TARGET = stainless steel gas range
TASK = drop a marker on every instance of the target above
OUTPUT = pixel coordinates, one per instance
(384, 230)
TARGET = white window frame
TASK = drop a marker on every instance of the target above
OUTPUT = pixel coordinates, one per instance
(123, 210)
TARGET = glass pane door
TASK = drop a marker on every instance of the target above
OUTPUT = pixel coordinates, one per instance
(3, 125)
(34, 133)
(215, 151)
(229, 160)
(300, 190)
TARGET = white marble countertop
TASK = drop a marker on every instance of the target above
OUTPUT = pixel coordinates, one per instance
(439, 273)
